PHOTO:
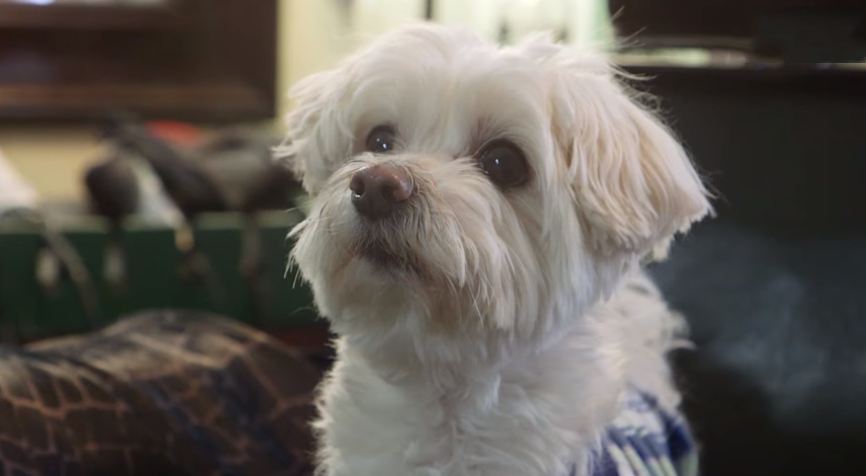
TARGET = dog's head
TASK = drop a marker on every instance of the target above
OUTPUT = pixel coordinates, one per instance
(464, 189)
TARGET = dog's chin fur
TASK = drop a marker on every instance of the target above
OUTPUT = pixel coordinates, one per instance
(485, 331)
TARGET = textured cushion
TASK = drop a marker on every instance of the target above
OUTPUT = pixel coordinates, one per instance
(162, 393)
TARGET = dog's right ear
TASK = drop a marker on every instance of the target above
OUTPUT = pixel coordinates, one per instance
(633, 184)
(313, 143)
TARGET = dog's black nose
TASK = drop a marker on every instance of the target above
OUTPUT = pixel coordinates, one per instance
(378, 189)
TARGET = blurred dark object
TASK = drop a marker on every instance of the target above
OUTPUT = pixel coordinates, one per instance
(173, 182)
(791, 31)
(240, 163)
(113, 189)
(182, 179)
(203, 60)
(773, 288)
(230, 170)
(429, 10)
(159, 393)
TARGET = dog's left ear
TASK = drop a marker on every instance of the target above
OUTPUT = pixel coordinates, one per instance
(316, 142)
(634, 185)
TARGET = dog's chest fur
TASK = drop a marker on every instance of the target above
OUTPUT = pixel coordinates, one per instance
(542, 414)
(537, 417)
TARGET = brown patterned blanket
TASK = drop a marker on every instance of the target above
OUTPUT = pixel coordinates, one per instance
(159, 393)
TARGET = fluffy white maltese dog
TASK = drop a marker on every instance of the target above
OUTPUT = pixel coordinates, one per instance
(479, 218)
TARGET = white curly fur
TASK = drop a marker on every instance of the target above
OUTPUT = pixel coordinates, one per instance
(503, 349)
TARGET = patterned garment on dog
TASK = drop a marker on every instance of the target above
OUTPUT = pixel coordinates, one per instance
(646, 440)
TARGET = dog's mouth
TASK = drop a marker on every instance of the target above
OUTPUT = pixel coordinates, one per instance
(385, 258)
(380, 256)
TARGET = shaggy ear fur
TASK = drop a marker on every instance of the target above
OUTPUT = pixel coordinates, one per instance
(634, 185)
(315, 144)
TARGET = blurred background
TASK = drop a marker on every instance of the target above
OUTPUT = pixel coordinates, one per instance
(135, 173)
(46, 47)
(48, 42)
(120, 118)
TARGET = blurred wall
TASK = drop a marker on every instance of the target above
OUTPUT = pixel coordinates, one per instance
(314, 35)
(51, 158)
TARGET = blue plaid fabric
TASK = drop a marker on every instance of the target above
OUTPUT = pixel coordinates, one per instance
(646, 440)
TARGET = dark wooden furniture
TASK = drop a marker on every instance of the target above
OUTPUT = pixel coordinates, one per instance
(796, 31)
(202, 60)
(773, 286)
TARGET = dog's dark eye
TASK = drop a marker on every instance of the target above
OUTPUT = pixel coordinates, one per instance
(504, 163)
(381, 140)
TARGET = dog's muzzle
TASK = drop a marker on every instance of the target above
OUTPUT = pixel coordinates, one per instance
(378, 190)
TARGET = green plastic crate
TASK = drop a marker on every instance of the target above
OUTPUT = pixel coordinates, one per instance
(153, 266)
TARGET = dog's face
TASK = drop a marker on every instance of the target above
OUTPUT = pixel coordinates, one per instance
(462, 189)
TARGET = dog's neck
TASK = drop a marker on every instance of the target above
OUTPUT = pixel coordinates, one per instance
(560, 395)
(408, 347)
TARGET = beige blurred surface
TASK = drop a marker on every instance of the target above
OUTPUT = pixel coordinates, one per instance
(51, 158)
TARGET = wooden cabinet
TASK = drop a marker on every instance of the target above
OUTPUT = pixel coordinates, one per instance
(205, 60)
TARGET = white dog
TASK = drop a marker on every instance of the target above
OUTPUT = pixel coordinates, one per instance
(480, 215)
